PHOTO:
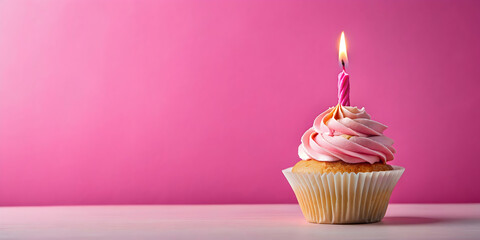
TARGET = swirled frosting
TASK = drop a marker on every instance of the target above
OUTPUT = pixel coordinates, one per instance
(348, 134)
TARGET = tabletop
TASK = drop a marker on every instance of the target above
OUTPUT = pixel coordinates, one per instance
(272, 221)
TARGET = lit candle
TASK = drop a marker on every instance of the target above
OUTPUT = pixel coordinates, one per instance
(343, 78)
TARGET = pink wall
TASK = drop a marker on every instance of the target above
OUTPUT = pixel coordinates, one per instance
(124, 102)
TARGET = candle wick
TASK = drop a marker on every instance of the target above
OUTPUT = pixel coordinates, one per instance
(343, 65)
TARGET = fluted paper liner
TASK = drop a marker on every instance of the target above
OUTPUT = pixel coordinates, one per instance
(344, 197)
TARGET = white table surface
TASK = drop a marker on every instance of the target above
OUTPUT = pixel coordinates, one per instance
(276, 221)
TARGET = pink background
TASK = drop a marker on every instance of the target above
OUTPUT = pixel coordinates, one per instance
(126, 102)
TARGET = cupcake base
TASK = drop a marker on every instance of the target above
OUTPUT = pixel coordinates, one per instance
(342, 198)
(314, 166)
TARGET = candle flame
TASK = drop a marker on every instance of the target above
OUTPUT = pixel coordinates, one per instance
(342, 51)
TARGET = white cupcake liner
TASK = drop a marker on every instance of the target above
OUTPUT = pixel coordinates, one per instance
(344, 197)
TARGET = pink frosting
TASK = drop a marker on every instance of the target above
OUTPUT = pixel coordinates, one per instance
(348, 134)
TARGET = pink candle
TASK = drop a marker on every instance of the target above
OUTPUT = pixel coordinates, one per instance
(343, 78)
(343, 89)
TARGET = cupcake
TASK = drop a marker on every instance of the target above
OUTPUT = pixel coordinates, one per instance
(343, 175)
